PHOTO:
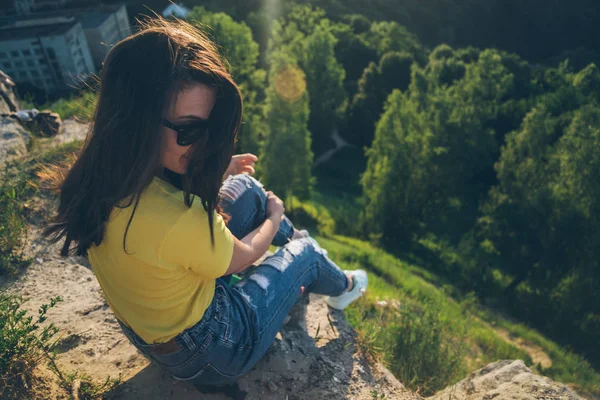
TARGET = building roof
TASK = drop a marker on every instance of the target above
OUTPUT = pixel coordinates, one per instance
(30, 28)
(90, 18)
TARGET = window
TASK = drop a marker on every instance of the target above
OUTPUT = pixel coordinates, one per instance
(46, 71)
(30, 63)
(23, 74)
(51, 53)
(37, 52)
(19, 64)
(3, 54)
(34, 73)
(42, 61)
(49, 82)
(38, 82)
(26, 52)
(7, 64)
(14, 53)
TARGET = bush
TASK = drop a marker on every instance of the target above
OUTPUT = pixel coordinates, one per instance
(429, 350)
(422, 348)
(22, 343)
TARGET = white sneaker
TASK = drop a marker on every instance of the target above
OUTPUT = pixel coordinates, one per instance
(360, 287)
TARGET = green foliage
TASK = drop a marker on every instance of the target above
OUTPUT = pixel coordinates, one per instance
(311, 216)
(353, 53)
(546, 207)
(387, 36)
(424, 350)
(307, 35)
(418, 177)
(233, 38)
(416, 307)
(374, 86)
(324, 79)
(24, 343)
(429, 349)
(500, 24)
(286, 155)
(80, 106)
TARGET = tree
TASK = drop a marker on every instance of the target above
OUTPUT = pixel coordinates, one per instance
(386, 36)
(540, 225)
(325, 77)
(286, 156)
(375, 85)
(434, 152)
(353, 52)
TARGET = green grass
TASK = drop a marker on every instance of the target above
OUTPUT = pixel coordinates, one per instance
(456, 334)
(17, 188)
(80, 106)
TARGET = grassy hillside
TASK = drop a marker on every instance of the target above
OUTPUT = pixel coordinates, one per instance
(430, 338)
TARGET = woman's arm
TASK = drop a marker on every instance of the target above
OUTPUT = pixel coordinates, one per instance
(253, 245)
(257, 242)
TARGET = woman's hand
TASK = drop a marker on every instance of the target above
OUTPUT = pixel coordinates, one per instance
(241, 164)
(275, 207)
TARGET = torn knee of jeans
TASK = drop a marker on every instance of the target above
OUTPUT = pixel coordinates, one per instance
(260, 280)
(299, 246)
(249, 180)
(278, 261)
(232, 190)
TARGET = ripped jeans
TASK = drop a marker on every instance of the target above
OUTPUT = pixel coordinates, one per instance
(242, 320)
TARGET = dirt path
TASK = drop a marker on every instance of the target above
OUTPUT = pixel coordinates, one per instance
(340, 143)
(537, 354)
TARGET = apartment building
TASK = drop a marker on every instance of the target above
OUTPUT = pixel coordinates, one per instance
(103, 28)
(55, 50)
(50, 53)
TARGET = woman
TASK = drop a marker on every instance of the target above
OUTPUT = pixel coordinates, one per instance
(146, 201)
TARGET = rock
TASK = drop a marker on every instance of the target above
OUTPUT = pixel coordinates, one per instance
(42, 123)
(13, 140)
(8, 100)
(504, 380)
(48, 122)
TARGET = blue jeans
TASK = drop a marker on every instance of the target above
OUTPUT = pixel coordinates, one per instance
(242, 320)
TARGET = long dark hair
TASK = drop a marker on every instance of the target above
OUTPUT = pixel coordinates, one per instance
(121, 153)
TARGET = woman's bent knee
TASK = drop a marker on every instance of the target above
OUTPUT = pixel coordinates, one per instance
(237, 185)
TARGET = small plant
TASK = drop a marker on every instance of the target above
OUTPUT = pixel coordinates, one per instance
(23, 342)
(429, 350)
(82, 386)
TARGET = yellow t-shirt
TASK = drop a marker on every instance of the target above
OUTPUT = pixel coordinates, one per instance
(167, 281)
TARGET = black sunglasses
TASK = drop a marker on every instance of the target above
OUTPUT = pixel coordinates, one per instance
(189, 133)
